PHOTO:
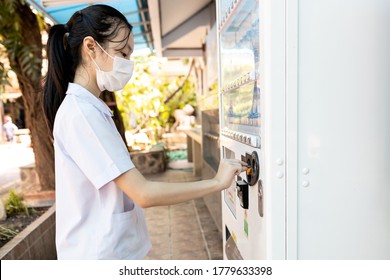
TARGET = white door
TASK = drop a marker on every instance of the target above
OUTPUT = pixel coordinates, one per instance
(343, 182)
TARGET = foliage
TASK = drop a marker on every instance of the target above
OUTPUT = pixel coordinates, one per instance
(4, 79)
(12, 40)
(3, 76)
(7, 232)
(148, 101)
(14, 204)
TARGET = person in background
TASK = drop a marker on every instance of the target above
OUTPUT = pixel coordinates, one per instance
(99, 192)
(9, 129)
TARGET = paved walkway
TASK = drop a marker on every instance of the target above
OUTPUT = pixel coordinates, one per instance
(12, 156)
(185, 231)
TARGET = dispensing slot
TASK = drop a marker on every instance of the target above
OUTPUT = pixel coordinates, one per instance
(243, 193)
(231, 249)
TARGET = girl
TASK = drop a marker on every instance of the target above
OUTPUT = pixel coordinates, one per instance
(99, 192)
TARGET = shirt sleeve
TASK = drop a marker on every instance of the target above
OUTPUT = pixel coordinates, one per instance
(95, 145)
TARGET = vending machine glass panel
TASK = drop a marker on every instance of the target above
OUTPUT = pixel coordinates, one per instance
(240, 58)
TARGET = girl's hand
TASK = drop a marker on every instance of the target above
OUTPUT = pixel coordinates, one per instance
(228, 168)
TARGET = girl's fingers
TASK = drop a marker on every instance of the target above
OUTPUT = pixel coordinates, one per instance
(236, 161)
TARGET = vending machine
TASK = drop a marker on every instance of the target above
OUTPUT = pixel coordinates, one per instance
(304, 100)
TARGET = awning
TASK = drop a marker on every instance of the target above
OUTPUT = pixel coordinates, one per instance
(136, 12)
(180, 27)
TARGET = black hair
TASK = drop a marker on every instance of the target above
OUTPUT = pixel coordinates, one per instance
(64, 50)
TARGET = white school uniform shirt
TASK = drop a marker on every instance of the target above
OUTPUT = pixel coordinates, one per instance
(94, 218)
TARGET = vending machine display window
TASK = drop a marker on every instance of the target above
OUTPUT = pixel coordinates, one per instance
(239, 42)
(239, 75)
(241, 109)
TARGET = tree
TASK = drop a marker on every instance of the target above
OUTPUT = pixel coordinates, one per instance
(20, 34)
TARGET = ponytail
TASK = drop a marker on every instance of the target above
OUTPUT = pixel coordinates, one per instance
(59, 72)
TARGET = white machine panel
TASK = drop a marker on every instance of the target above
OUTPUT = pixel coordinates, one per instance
(318, 142)
(343, 130)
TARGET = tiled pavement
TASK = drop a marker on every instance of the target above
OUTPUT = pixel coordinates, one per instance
(184, 231)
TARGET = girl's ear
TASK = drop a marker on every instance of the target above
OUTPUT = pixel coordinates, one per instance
(89, 46)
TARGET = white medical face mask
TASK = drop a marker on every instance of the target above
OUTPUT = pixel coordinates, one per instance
(117, 78)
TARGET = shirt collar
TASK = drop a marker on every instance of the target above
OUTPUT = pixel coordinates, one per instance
(83, 93)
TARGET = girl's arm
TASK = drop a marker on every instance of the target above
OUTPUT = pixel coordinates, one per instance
(149, 193)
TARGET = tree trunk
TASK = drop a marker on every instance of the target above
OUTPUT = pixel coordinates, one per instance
(32, 95)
